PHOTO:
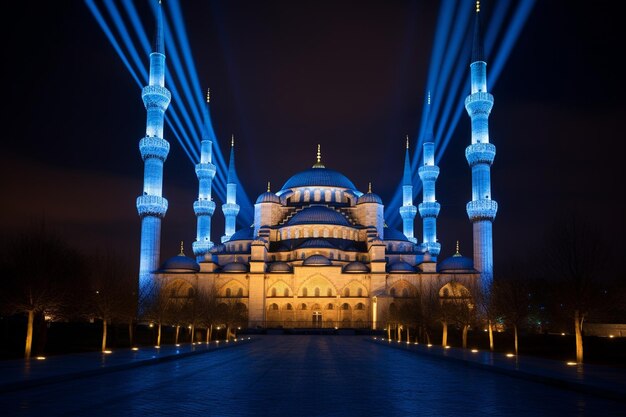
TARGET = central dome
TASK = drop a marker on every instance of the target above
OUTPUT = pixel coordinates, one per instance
(318, 215)
(320, 177)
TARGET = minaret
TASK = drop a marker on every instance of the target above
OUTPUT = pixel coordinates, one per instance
(480, 155)
(151, 206)
(231, 208)
(204, 207)
(408, 210)
(429, 207)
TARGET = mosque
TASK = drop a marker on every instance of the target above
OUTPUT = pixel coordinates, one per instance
(319, 253)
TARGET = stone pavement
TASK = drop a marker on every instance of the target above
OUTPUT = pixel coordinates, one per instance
(307, 375)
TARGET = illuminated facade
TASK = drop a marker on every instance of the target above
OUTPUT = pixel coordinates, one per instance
(319, 253)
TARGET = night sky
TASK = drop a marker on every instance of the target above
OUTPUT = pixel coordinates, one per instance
(285, 76)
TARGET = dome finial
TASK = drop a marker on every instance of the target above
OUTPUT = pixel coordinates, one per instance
(182, 252)
(407, 141)
(369, 188)
(232, 140)
(319, 164)
(477, 6)
(208, 95)
(268, 187)
(429, 97)
(457, 250)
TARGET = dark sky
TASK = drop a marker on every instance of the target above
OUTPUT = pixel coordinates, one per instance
(285, 76)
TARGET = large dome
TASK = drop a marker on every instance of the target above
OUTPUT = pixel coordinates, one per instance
(456, 263)
(180, 263)
(320, 177)
(318, 215)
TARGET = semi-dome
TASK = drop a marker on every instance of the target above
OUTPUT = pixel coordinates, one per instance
(245, 233)
(393, 234)
(320, 177)
(400, 266)
(279, 266)
(355, 267)
(180, 263)
(317, 260)
(235, 267)
(268, 197)
(316, 243)
(318, 215)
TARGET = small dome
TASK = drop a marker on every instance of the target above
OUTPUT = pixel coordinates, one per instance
(235, 267)
(180, 263)
(268, 197)
(369, 198)
(316, 243)
(393, 234)
(279, 266)
(456, 263)
(400, 266)
(246, 233)
(317, 260)
(321, 177)
(318, 215)
(355, 267)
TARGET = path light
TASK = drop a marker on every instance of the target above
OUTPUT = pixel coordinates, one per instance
(107, 351)
(447, 347)
(509, 355)
(135, 348)
(177, 344)
(157, 347)
(562, 334)
(429, 345)
(611, 336)
(571, 363)
(151, 325)
(474, 350)
(41, 358)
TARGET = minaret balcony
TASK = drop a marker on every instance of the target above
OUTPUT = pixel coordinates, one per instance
(230, 209)
(204, 207)
(479, 103)
(151, 205)
(482, 210)
(428, 172)
(480, 153)
(201, 247)
(429, 209)
(154, 147)
(434, 248)
(408, 212)
(205, 171)
(156, 96)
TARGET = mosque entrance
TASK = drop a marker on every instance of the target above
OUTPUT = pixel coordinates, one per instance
(317, 319)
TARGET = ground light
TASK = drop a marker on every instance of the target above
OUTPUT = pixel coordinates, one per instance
(474, 350)
(570, 363)
(107, 351)
(134, 348)
(41, 358)
(509, 355)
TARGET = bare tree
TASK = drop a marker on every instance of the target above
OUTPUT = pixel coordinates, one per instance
(40, 270)
(575, 269)
(511, 293)
(156, 307)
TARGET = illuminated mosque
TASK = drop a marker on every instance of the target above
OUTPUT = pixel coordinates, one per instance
(319, 253)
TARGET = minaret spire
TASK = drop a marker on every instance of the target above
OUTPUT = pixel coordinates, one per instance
(230, 208)
(318, 163)
(480, 156)
(204, 207)
(407, 210)
(151, 205)
(429, 172)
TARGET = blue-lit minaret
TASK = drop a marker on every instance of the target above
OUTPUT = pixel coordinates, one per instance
(231, 208)
(204, 207)
(154, 149)
(480, 155)
(407, 210)
(429, 207)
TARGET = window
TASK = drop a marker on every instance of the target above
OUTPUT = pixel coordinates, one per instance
(286, 293)
(274, 306)
(330, 306)
(303, 306)
(240, 292)
(305, 292)
(346, 292)
(392, 292)
(345, 306)
(329, 292)
(317, 292)
(289, 307)
(228, 292)
(359, 292)
(273, 292)
(359, 306)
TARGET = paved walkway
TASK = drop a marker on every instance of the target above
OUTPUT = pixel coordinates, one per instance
(307, 376)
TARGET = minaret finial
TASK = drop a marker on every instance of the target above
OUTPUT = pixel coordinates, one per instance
(268, 187)
(458, 253)
(407, 141)
(369, 188)
(182, 252)
(232, 140)
(208, 95)
(477, 6)
(318, 163)
(429, 97)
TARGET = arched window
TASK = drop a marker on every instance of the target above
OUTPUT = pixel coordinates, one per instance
(228, 292)
(273, 292)
(392, 292)
(286, 293)
(330, 306)
(327, 195)
(240, 292)
(289, 306)
(326, 233)
(305, 292)
(345, 306)
(274, 306)
(317, 292)
(303, 306)
(307, 195)
(346, 292)
(359, 306)
(329, 292)
(316, 195)
(359, 292)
